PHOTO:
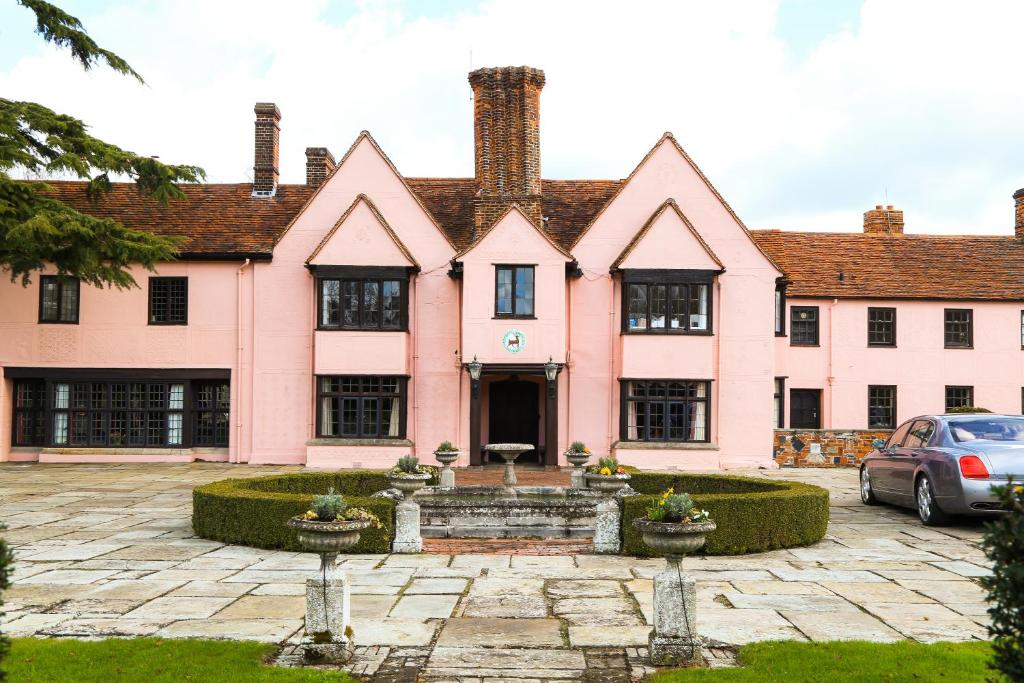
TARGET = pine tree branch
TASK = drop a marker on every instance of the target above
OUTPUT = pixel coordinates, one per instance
(63, 30)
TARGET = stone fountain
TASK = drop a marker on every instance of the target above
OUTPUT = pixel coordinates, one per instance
(509, 452)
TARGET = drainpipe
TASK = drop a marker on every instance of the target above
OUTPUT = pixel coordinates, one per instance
(716, 386)
(238, 367)
(831, 379)
(458, 367)
(611, 361)
(414, 379)
(568, 355)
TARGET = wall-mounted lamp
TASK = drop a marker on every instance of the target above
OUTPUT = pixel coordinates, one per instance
(475, 367)
(551, 369)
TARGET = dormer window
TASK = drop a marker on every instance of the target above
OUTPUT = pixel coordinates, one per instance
(362, 298)
(667, 301)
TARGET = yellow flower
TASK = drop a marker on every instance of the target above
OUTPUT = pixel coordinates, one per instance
(605, 471)
(661, 502)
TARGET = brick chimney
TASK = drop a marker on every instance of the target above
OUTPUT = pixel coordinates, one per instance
(1018, 213)
(883, 220)
(506, 127)
(319, 164)
(268, 133)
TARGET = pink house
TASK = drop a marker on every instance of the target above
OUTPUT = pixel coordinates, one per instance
(364, 315)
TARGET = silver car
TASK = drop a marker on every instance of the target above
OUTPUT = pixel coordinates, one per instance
(945, 465)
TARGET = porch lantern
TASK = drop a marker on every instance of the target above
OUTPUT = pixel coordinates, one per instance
(551, 369)
(475, 367)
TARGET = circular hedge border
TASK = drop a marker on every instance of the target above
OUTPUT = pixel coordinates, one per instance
(753, 515)
(253, 511)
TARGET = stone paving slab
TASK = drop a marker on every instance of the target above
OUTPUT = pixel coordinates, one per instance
(107, 550)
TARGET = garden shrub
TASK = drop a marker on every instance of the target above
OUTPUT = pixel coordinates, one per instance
(1004, 545)
(753, 515)
(6, 562)
(254, 511)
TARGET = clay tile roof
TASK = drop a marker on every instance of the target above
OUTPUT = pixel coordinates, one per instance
(898, 266)
(569, 205)
(217, 219)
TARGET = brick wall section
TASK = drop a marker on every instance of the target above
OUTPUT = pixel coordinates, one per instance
(824, 447)
(268, 135)
(1018, 212)
(319, 164)
(506, 128)
(883, 221)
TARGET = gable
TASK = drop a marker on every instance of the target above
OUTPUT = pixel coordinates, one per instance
(514, 239)
(361, 237)
(668, 240)
(667, 172)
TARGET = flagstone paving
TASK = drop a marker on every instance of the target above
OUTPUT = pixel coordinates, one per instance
(108, 550)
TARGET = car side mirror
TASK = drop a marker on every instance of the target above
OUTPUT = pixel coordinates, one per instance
(878, 444)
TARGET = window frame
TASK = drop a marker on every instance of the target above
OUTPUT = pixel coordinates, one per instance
(36, 413)
(668, 278)
(780, 396)
(61, 281)
(780, 308)
(402, 395)
(970, 395)
(793, 310)
(362, 275)
(167, 279)
(945, 328)
(514, 315)
(892, 423)
(625, 400)
(892, 322)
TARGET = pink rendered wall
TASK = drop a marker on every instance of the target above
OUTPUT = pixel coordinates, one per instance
(738, 357)
(286, 343)
(113, 330)
(919, 365)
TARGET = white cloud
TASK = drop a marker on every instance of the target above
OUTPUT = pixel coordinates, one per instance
(918, 106)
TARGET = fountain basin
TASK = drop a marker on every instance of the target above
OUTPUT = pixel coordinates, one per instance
(489, 512)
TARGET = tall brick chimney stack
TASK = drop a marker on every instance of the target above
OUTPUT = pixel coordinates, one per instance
(268, 133)
(883, 220)
(506, 127)
(319, 164)
(1018, 213)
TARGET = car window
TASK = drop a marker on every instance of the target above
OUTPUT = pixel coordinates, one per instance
(897, 437)
(991, 429)
(920, 434)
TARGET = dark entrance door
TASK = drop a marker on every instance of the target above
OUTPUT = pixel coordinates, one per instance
(805, 408)
(514, 415)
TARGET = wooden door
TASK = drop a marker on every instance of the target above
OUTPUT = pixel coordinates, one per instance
(805, 408)
(514, 415)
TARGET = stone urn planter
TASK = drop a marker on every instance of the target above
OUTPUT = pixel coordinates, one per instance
(577, 459)
(674, 640)
(447, 475)
(407, 512)
(327, 639)
(606, 483)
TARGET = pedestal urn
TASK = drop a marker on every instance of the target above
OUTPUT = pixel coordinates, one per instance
(577, 459)
(407, 512)
(328, 625)
(447, 475)
(674, 640)
(606, 483)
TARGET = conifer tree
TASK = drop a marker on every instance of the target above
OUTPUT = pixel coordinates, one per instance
(36, 229)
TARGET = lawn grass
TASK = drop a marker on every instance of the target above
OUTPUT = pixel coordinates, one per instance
(150, 660)
(839, 662)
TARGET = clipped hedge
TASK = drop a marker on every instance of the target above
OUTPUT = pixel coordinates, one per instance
(753, 515)
(253, 511)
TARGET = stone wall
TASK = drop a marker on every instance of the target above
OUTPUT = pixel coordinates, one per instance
(824, 447)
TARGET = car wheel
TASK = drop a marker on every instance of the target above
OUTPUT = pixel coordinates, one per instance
(867, 495)
(927, 508)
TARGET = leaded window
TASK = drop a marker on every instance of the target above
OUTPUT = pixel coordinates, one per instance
(29, 405)
(168, 301)
(514, 291)
(361, 406)
(211, 411)
(665, 410)
(881, 327)
(881, 406)
(667, 307)
(58, 299)
(118, 414)
(803, 326)
(959, 397)
(959, 328)
(361, 303)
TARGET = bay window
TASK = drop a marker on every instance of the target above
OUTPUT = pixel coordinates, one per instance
(361, 406)
(362, 298)
(666, 302)
(665, 410)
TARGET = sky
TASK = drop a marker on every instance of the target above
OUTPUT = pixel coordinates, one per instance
(803, 113)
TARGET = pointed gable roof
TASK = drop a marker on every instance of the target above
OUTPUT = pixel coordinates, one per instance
(514, 208)
(362, 201)
(672, 208)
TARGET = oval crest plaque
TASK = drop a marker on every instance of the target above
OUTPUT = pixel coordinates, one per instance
(514, 341)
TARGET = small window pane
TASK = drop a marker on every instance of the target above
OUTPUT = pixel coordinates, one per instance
(371, 303)
(524, 291)
(698, 307)
(638, 307)
(392, 294)
(58, 299)
(503, 298)
(679, 305)
(330, 302)
(659, 303)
